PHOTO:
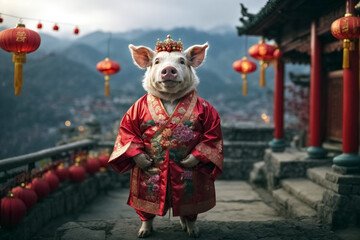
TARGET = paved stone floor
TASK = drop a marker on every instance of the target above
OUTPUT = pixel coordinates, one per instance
(240, 213)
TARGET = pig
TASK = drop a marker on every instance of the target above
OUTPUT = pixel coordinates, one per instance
(170, 139)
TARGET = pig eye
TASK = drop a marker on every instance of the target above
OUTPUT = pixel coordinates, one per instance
(182, 61)
(156, 61)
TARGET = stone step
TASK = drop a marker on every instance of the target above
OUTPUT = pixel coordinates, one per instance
(237, 169)
(244, 149)
(318, 175)
(305, 190)
(247, 132)
(291, 206)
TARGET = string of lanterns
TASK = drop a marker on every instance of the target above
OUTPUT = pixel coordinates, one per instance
(28, 187)
(39, 25)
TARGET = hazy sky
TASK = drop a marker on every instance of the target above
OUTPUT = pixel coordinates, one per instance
(121, 15)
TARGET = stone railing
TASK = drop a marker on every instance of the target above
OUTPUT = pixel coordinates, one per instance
(69, 198)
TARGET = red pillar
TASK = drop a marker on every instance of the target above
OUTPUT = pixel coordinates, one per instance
(351, 103)
(279, 100)
(350, 158)
(315, 150)
(278, 143)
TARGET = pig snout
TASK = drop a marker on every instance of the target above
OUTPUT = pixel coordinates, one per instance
(169, 73)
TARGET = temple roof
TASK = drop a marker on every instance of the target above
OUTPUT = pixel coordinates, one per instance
(288, 23)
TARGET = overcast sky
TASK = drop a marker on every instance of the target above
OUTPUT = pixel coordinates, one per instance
(121, 15)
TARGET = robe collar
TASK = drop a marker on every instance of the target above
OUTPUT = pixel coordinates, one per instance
(181, 114)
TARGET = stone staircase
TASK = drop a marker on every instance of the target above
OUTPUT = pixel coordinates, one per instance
(244, 145)
(300, 197)
(321, 195)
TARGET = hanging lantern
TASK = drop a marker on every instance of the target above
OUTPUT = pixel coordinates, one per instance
(76, 30)
(244, 66)
(347, 29)
(56, 27)
(19, 41)
(39, 25)
(263, 52)
(62, 172)
(28, 196)
(53, 180)
(77, 173)
(13, 210)
(40, 186)
(107, 67)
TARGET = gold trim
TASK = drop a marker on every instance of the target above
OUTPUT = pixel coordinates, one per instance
(212, 153)
(150, 99)
(190, 109)
(149, 207)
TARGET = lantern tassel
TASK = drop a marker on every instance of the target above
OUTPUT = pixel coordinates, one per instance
(107, 88)
(262, 74)
(346, 46)
(244, 87)
(18, 59)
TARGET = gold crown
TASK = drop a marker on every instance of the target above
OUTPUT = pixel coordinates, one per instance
(169, 45)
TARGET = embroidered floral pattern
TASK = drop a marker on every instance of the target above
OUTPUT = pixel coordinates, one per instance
(153, 184)
(188, 185)
(183, 133)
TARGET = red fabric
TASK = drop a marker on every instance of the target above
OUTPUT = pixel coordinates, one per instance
(194, 127)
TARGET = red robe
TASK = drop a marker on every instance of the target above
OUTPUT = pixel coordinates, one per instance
(194, 127)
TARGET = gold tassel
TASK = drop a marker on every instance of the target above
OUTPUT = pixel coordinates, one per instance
(346, 46)
(107, 88)
(18, 59)
(244, 92)
(262, 74)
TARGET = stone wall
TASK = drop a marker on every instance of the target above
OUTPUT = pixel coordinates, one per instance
(244, 145)
(69, 198)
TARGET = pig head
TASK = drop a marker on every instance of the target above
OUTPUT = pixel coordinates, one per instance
(169, 75)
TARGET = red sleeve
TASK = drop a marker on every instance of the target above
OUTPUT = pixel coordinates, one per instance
(128, 142)
(210, 148)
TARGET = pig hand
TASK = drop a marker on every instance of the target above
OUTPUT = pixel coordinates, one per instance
(190, 161)
(143, 161)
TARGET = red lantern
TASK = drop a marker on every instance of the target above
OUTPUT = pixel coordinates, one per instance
(13, 210)
(52, 179)
(28, 196)
(346, 29)
(62, 172)
(39, 25)
(244, 66)
(19, 41)
(56, 27)
(40, 186)
(92, 165)
(77, 173)
(76, 30)
(1, 19)
(277, 53)
(104, 158)
(107, 67)
(263, 52)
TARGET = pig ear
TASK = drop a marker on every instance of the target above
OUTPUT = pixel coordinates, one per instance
(196, 54)
(142, 56)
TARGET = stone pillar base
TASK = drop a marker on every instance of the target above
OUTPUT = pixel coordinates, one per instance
(348, 161)
(277, 145)
(316, 152)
